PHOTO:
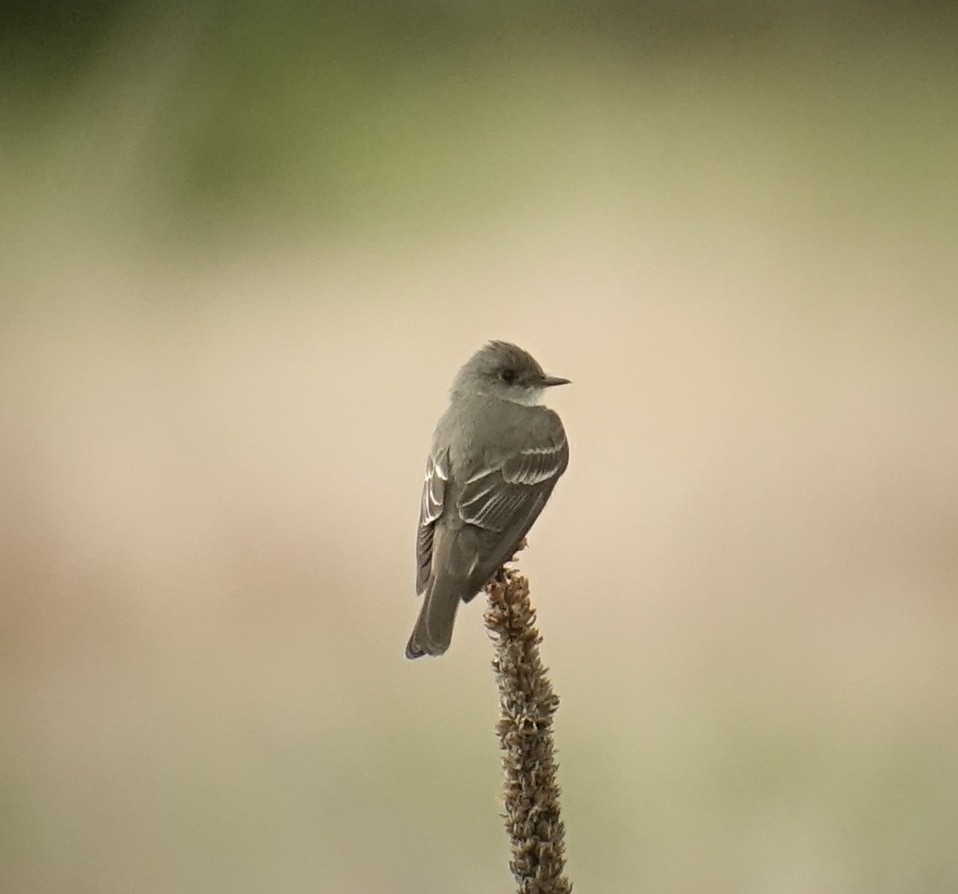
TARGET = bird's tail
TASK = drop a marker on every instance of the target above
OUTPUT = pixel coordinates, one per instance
(433, 631)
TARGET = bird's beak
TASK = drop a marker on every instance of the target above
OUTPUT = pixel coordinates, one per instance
(549, 381)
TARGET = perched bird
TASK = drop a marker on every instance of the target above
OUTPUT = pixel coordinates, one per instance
(497, 452)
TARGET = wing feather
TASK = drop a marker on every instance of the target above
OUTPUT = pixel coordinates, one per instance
(433, 500)
(497, 502)
(503, 499)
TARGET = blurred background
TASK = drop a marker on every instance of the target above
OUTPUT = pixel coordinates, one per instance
(244, 248)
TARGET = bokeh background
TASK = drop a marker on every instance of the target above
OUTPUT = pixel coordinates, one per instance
(245, 247)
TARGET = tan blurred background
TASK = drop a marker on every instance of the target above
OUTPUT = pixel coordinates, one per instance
(244, 249)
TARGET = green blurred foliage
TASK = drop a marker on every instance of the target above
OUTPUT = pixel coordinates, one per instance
(431, 112)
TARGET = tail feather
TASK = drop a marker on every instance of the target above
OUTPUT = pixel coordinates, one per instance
(452, 579)
(433, 631)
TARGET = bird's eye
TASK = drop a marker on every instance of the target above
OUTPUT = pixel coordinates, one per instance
(508, 376)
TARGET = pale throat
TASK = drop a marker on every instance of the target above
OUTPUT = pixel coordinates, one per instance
(528, 397)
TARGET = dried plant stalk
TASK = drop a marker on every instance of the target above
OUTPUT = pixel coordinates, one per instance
(527, 703)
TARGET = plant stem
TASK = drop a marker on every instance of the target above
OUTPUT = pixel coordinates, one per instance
(527, 703)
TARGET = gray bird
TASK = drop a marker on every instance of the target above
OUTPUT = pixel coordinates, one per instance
(497, 452)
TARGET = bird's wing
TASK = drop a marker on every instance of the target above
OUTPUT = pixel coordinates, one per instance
(433, 495)
(504, 498)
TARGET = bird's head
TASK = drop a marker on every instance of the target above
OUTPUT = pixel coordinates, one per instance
(503, 370)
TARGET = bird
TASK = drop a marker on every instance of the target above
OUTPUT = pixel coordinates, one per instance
(497, 453)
